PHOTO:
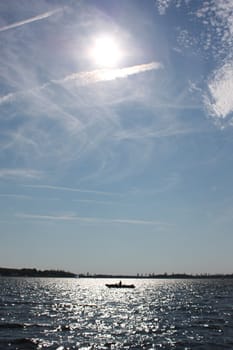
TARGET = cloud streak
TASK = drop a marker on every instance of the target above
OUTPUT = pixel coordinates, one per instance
(30, 20)
(14, 196)
(70, 189)
(88, 78)
(90, 220)
(148, 133)
(20, 173)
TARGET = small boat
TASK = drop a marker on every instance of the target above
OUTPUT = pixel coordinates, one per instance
(119, 285)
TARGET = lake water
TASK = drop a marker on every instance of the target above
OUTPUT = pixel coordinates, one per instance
(84, 314)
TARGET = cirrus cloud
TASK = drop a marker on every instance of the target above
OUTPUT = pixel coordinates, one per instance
(20, 174)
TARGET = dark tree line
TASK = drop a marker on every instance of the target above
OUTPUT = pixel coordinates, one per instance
(34, 273)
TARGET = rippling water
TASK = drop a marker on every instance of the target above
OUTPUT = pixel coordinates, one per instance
(84, 314)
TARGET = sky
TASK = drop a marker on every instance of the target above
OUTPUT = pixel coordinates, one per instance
(116, 135)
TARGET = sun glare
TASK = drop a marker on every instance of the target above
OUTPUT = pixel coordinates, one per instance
(106, 52)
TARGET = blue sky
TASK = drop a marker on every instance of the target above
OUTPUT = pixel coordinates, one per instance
(124, 167)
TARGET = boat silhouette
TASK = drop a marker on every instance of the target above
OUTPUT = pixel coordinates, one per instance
(119, 285)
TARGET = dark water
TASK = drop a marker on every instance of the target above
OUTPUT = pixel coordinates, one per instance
(84, 314)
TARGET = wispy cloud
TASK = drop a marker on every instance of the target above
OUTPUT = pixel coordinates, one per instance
(14, 196)
(70, 189)
(163, 5)
(26, 197)
(220, 102)
(7, 97)
(218, 15)
(87, 78)
(92, 201)
(20, 173)
(30, 20)
(147, 133)
(167, 184)
(91, 220)
(214, 42)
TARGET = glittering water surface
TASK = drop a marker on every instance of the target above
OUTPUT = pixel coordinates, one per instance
(84, 314)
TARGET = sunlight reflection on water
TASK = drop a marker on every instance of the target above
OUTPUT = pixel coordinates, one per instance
(84, 314)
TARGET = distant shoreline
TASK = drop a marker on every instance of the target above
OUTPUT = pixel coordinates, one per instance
(24, 272)
(161, 276)
(32, 272)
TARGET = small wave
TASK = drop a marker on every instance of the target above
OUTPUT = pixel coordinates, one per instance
(12, 325)
(20, 325)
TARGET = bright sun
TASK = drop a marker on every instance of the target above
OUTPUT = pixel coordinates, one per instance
(106, 52)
